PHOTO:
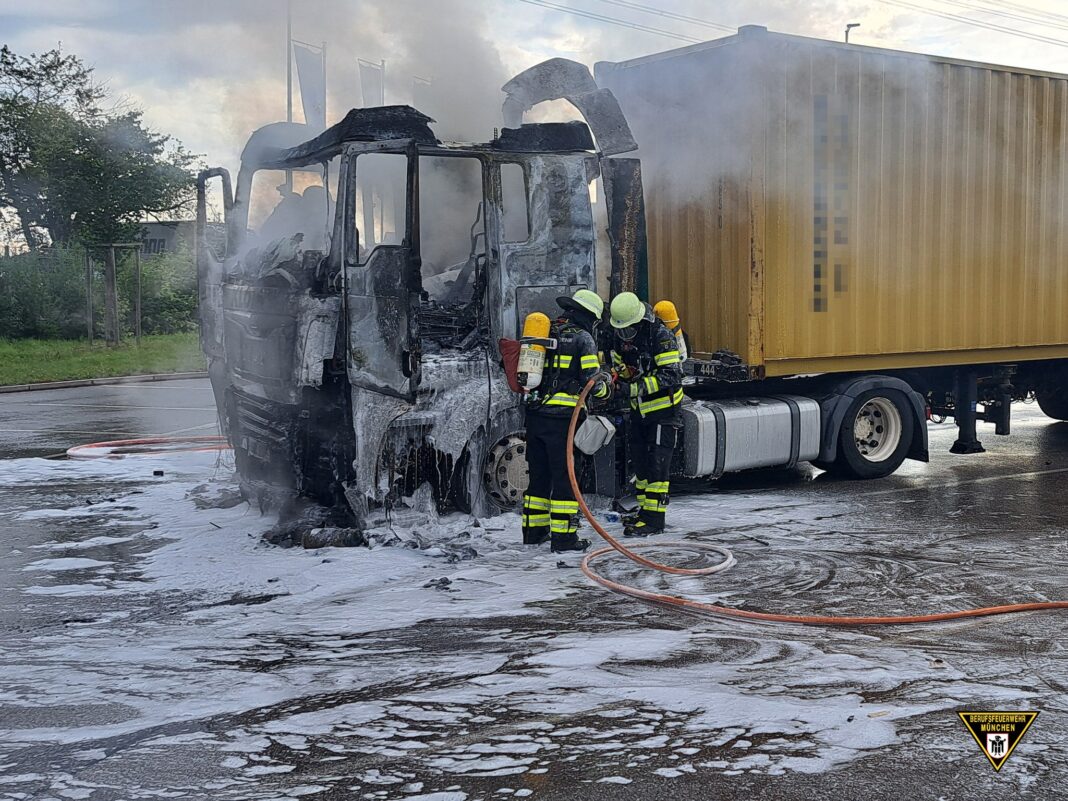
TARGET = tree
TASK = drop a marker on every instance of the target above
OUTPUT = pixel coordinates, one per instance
(73, 171)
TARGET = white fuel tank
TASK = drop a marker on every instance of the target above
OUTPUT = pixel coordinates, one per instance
(743, 433)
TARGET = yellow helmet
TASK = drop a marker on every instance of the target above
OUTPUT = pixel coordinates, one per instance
(626, 310)
(583, 299)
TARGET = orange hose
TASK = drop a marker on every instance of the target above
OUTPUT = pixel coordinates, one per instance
(150, 446)
(726, 611)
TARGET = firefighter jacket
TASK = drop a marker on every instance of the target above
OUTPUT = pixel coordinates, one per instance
(567, 369)
(652, 366)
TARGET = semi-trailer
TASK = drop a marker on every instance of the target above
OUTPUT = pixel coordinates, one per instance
(880, 231)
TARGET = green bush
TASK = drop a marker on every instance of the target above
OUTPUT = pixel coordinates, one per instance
(42, 295)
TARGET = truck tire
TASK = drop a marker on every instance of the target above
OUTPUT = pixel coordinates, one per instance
(875, 435)
(1053, 403)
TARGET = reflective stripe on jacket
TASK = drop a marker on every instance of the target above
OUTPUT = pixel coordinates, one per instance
(574, 362)
(655, 367)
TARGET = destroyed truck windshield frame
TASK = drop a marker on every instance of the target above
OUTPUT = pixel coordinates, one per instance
(425, 155)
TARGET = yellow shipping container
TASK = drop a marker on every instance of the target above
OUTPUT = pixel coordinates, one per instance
(822, 207)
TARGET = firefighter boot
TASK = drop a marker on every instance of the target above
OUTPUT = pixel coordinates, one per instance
(535, 536)
(639, 528)
(568, 542)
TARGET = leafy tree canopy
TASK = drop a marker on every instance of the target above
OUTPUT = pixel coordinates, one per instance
(72, 170)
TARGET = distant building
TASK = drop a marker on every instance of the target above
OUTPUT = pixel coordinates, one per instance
(171, 235)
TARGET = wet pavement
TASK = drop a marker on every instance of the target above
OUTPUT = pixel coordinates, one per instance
(47, 422)
(154, 647)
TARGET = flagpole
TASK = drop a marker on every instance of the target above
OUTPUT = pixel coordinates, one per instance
(289, 78)
(383, 83)
(326, 123)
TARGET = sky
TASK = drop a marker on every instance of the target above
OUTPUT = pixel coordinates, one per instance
(208, 72)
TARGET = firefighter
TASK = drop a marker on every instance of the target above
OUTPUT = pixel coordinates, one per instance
(646, 359)
(550, 511)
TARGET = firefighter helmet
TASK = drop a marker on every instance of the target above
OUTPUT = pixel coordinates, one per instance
(583, 299)
(627, 310)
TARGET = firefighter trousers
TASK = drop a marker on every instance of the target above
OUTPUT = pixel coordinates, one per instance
(652, 444)
(549, 505)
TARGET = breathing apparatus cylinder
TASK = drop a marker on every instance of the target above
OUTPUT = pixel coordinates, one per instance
(667, 312)
(531, 353)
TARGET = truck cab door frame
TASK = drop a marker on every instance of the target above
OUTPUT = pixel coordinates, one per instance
(558, 255)
(381, 293)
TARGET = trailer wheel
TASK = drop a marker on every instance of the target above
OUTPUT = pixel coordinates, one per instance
(1053, 403)
(875, 435)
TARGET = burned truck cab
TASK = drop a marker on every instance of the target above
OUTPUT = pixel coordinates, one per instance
(351, 323)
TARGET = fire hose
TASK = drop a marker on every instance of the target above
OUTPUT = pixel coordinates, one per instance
(728, 560)
(149, 446)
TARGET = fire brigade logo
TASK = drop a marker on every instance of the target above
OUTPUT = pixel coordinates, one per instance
(998, 733)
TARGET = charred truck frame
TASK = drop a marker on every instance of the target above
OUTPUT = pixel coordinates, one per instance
(338, 377)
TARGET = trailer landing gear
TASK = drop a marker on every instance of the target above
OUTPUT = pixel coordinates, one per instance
(966, 401)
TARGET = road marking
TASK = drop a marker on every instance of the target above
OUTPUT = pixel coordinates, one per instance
(54, 431)
(825, 488)
(191, 428)
(976, 480)
(118, 406)
(155, 385)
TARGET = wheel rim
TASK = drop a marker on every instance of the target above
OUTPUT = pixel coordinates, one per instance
(877, 429)
(505, 475)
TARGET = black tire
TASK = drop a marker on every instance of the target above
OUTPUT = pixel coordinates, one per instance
(861, 459)
(1053, 403)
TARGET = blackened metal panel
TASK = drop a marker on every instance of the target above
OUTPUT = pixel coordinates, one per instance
(383, 351)
(560, 249)
(626, 225)
(260, 340)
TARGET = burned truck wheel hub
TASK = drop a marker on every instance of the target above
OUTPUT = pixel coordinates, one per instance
(505, 474)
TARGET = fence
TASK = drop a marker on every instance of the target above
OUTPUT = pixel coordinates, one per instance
(43, 294)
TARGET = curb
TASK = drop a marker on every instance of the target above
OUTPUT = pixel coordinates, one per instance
(92, 382)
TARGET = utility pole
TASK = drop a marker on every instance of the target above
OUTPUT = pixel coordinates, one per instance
(850, 26)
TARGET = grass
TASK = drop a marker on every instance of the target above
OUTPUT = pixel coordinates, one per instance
(30, 361)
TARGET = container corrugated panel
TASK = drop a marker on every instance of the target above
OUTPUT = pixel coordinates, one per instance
(817, 206)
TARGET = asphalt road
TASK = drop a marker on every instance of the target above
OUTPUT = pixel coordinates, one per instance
(47, 422)
(266, 674)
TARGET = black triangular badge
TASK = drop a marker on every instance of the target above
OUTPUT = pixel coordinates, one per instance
(998, 733)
